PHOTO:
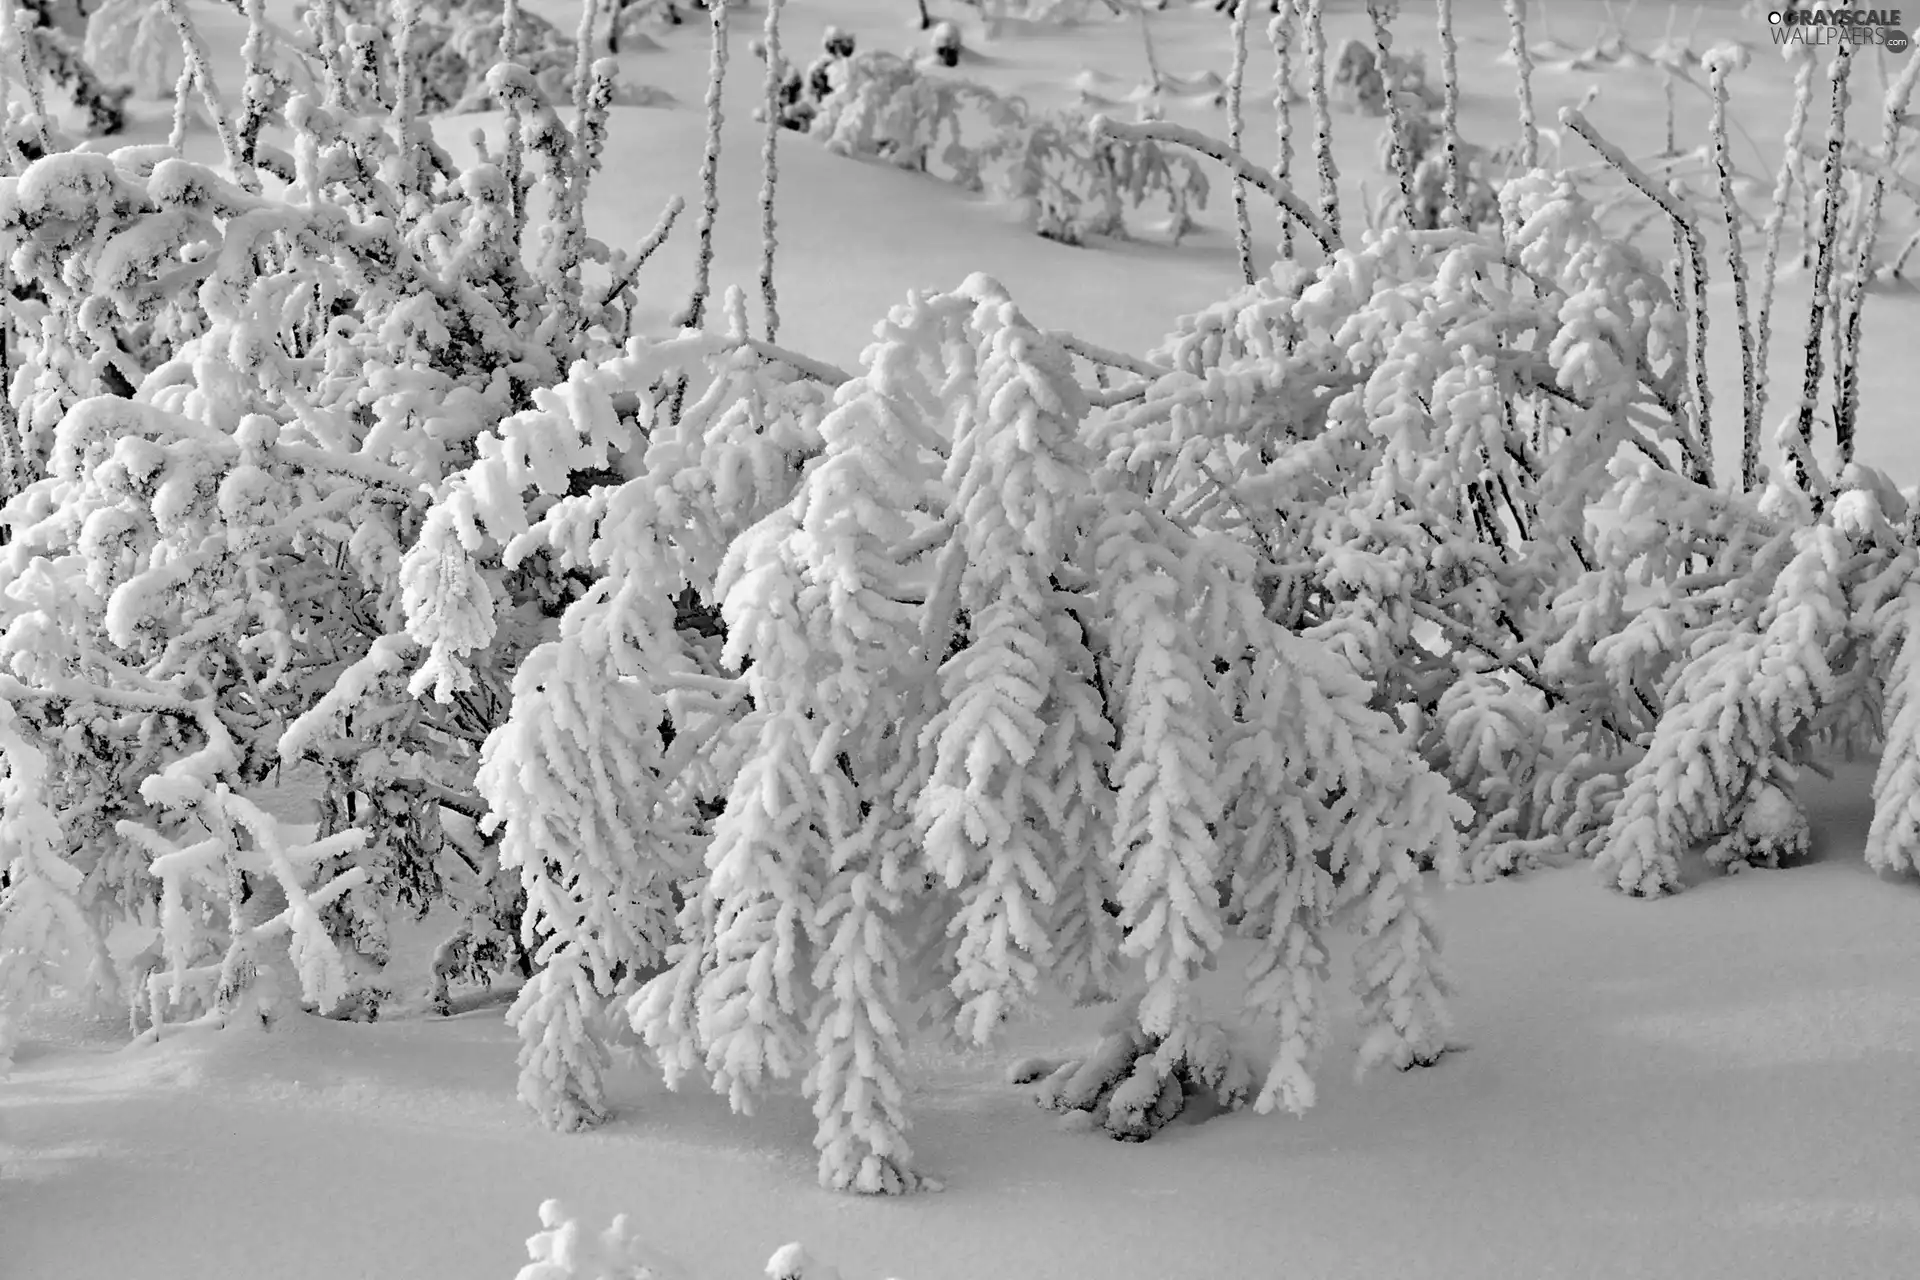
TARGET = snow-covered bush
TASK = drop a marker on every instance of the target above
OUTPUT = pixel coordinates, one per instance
(1070, 183)
(990, 687)
(230, 394)
(1126, 1086)
(881, 106)
(1361, 81)
(764, 712)
(1423, 137)
(1074, 184)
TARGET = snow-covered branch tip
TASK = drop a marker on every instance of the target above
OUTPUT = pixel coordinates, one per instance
(1102, 126)
(1095, 354)
(646, 248)
(1649, 186)
(806, 366)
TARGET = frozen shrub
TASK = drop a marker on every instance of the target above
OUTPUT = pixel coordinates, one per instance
(1360, 81)
(225, 409)
(1071, 185)
(1075, 185)
(879, 106)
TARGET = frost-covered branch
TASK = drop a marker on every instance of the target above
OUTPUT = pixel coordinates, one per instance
(1238, 164)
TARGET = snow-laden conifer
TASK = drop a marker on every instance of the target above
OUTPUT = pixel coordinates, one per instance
(1018, 479)
(1893, 839)
(818, 597)
(1740, 711)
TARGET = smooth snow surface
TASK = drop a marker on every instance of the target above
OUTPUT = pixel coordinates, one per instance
(1715, 1085)
(1720, 1085)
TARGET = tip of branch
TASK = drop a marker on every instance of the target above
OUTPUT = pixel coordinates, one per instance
(1727, 57)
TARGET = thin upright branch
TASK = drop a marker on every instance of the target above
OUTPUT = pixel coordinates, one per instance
(1721, 63)
(1316, 42)
(1523, 71)
(1450, 113)
(1776, 224)
(1840, 73)
(1893, 118)
(1381, 13)
(197, 58)
(696, 309)
(769, 168)
(1236, 128)
(513, 158)
(1280, 36)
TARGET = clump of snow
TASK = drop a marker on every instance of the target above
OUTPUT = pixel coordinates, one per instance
(1028, 1070)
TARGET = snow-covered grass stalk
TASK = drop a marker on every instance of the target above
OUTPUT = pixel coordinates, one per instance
(1809, 201)
(1236, 128)
(1382, 14)
(1450, 111)
(583, 61)
(13, 457)
(256, 93)
(1316, 41)
(1783, 183)
(1820, 300)
(197, 58)
(513, 153)
(30, 78)
(1280, 36)
(770, 169)
(1866, 235)
(1669, 77)
(406, 25)
(182, 110)
(6, 73)
(1243, 168)
(1697, 434)
(1523, 82)
(696, 308)
(1721, 62)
